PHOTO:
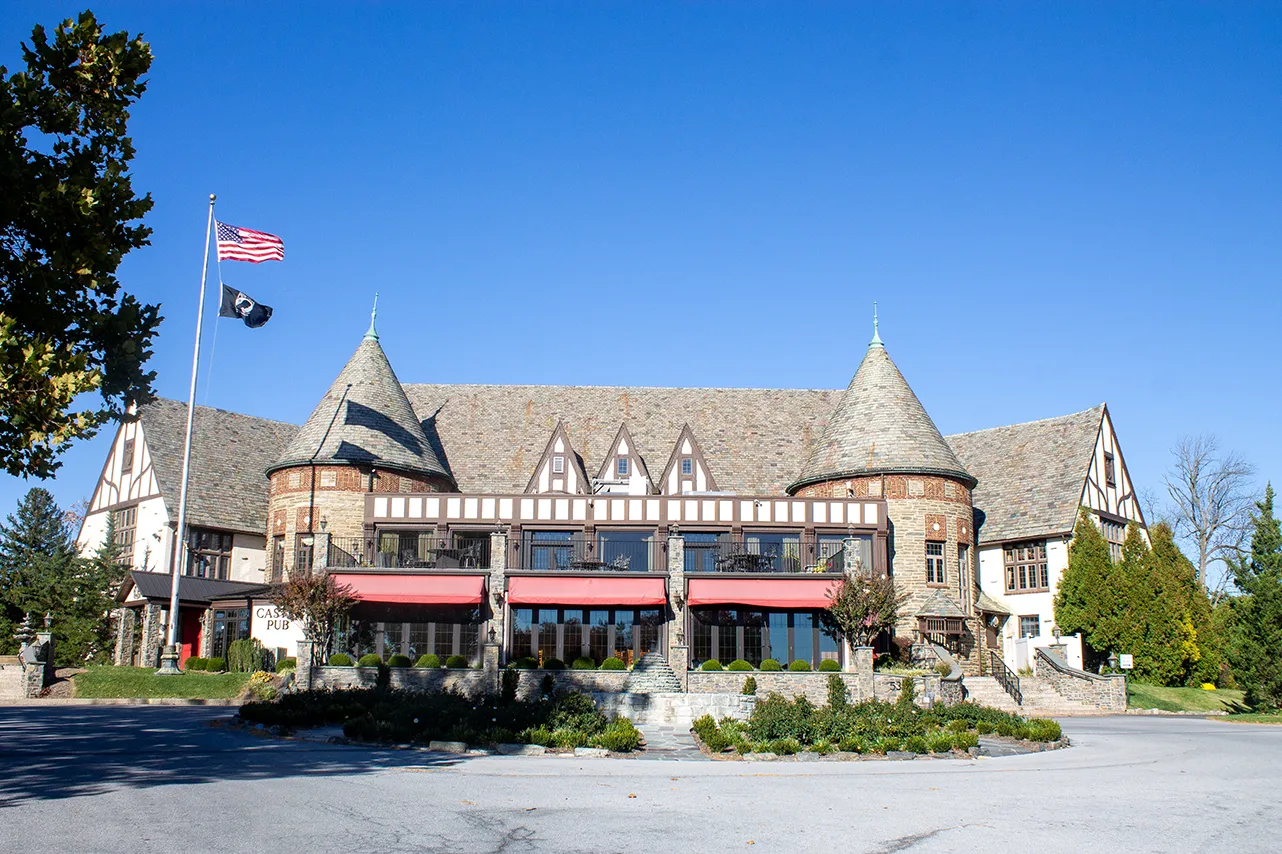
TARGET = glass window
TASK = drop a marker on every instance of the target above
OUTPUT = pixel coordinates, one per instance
(777, 626)
(572, 635)
(230, 624)
(1030, 627)
(623, 621)
(127, 457)
(700, 551)
(626, 549)
(599, 635)
(547, 620)
(126, 529)
(934, 563)
(621, 466)
(210, 554)
(803, 636)
(1026, 568)
(728, 636)
(522, 633)
(558, 465)
(701, 636)
(549, 549)
(783, 549)
(1110, 472)
(687, 466)
(754, 623)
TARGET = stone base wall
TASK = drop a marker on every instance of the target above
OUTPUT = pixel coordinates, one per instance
(675, 709)
(1104, 692)
(926, 689)
(587, 681)
(812, 685)
(473, 683)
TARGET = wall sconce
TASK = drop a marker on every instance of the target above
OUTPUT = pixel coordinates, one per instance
(493, 634)
(324, 524)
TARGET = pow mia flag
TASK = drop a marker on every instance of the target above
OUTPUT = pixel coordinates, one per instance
(239, 304)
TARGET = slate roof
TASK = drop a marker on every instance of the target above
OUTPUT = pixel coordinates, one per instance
(365, 418)
(196, 591)
(940, 604)
(1031, 475)
(879, 426)
(230, 454)
(754, 440)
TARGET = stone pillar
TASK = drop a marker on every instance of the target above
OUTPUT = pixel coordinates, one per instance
(320, 552)
(126, 619)
(152, 638)
(303, 669)
(679, 661)
(1117, 691)
(677, 599)
(850, 558)
(206, 634)
(863, 661)
(490, 664)
(498, 593)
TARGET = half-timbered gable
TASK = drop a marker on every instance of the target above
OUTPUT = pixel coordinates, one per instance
(1108, 490)
(623, 470)
(687, 469)
(560, 469)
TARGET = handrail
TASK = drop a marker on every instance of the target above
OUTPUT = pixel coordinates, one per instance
(954, 669)
(1064, 667)
(1006, 677)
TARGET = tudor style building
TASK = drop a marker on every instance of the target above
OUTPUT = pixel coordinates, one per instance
(539, 516)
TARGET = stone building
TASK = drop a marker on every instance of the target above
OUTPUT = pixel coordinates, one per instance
(590, 522)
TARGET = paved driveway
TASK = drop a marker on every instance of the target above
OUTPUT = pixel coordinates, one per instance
(160, 779)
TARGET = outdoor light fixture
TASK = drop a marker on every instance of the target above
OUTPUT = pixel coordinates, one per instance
(324, 524)
(493, 634)
(1112, 660)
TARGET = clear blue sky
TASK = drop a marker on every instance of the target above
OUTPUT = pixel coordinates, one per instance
(1053, 205)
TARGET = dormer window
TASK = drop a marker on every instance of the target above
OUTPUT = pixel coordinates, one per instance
(621, 466)
(558, 465)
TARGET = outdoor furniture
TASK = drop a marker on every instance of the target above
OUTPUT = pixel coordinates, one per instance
(744, 562)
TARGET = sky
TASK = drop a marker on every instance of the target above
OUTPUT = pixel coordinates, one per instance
(1053, 205)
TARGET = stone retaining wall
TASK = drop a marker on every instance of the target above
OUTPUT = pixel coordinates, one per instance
(587, 681)
(674, 709)
(473, 683)
(926, 690)
(813, 685)
(1104, 692)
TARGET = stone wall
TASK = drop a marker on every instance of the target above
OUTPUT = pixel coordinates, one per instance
(926, 689)
(813, 685)
(587, 681)
(1104, 692)
(473, 683)
(675, 709)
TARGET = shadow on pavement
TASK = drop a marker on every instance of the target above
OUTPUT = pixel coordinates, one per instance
(71, 751)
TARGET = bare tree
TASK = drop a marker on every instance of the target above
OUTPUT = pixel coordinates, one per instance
(1211, 491)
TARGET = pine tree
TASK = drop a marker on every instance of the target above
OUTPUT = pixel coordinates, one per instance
(1256, 647)
(1087, 599)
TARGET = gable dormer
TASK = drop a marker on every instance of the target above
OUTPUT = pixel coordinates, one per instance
(623, 471)
(687, 469)
(559, 469)
(1108, 487)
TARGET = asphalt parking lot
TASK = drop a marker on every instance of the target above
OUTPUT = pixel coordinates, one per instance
(142, 779)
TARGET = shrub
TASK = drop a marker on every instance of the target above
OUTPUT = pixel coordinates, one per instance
(984, 728)
(619, 735)
(711, 664)
(399, 660)
(770, 665)
(583, 663)
(941, 742)
(1043, 729)
(750, 686)
(915, 744)
(578, 713)
(838, 693)
(739, 665)
(829, 665)
(193, 664)
(711, 735)
(547, 685)
(785, 746)
(965, 740)
(370, 659)
(260, 686)
(284, 664)
(526, 663)
(246, 656)
(508, 683)
(943, 669)
(431, 659)
(553, 664)
(613, 663)
(215, 665)
(799, 666)
(457, 662)
(907, 692)
(340, 659)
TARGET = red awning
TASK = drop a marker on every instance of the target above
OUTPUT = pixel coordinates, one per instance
(764, 592)
(415, 589)
(531, 590)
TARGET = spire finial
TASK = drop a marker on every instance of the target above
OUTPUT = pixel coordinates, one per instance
(876, 335)
(372, 335)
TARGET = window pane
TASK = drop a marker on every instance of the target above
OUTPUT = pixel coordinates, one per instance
(700, 552)
(623, 621)
(572, 634)
(599, 635)
(547, 620)
(753, 635)
(728, 643)
(803, 637)
(626, 549)
(700, 636)
(777, 623)
(522, 623)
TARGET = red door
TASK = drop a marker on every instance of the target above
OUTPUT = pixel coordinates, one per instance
(189, 632)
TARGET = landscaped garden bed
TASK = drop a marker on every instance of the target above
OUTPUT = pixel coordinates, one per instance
(393, 716)
(782, 727)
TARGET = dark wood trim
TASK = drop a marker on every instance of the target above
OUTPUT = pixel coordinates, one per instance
(546, 459)
(609, 470)
(696, 454)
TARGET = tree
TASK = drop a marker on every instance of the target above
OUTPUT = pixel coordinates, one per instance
(1087, 600)
(316, 601)
(1256, 647)
(68, 215)
(1211, 492)
(862, 608)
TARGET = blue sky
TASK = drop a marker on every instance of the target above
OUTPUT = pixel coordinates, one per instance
(1054, 205)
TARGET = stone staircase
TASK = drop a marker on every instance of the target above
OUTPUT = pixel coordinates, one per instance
(652, 675)
(1040, 699)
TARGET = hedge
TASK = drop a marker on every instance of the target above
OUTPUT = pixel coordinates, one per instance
(289, 663)
(399, 660)
(553, 664)
(711, 664)
(215, 665)
(340, 659)
(613, 663)
(799, 666)
(457, 662)
(193, 664)
(739, 665)
(770, 664)
(583, 664)
(828, 665)
(370, 659)
(431, 659)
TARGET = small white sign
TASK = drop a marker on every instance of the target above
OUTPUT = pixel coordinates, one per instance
(1128, 661)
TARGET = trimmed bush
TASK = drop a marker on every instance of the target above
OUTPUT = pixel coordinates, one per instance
(907, 692)
(458, 662)
(193, 664)
(620, 735)
(526, 663)
(284, 664)
(215, 665)
(838, 693)
(750, 686)
(582, 663)
(829, 665)
(613, 663)
(711, 664)
(739, 665)
(431, 659)
(552, 664)
(399, 660)
(370, 659)
(1042, 729)
(799, 666)
(770, 665)
(340, 659)
(246, 656)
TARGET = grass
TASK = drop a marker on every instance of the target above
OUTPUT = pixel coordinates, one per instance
(1140, 696)
(1253, 718)
(130, 682)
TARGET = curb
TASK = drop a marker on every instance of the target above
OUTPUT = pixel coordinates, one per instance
(120, 701)
(1157, 713)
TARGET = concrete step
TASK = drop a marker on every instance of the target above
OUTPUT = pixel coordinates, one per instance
(652, 675)
(1040, 698)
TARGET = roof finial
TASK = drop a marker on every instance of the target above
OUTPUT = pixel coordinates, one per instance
(372, 335)
(876, 336)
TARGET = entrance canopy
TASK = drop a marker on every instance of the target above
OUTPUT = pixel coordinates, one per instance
(530, 590)
(762, 592)
(415, 589)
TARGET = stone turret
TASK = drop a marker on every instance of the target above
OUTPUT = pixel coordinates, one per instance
(362, 437)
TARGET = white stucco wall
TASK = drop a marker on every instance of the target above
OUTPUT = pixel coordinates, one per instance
(152, 535)
(992, 581)
(273, 630)
(248, 557)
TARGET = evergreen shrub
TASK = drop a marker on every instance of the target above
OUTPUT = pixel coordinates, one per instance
(457, 662)
(246, 656)
(770, 665)
(750, 686)
(370, 659)
(739, 665)
(526, 663)
(799, 666)
(613, 663)
(340, 659)
(399, 660)
(711, 665)
(916, 744)
(288, 663)
(583, 663)
(430, 659)
(829, 665)
(193, 664)
(215, 665)
(550, 664)
(620, 735)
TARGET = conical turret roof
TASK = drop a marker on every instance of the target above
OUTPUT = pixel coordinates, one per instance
(365, 418)
(880, 427)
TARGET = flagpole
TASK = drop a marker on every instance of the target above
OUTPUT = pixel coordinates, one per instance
(169, 660)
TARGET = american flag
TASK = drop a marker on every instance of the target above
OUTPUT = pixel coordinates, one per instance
(245, 244)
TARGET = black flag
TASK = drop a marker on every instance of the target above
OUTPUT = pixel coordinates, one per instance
(239, 304)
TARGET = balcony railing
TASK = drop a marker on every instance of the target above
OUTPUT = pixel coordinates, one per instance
(398, 551)
(799, 555)
(589, 554)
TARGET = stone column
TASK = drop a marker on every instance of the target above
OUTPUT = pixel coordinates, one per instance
(490, 664)
(320, 552)
(498, 592)
(1117, 690)
(303, 668)
(677, 599)
(679, 661)
(126, 619)
(206, 634)
(863, 661)
(152, 639)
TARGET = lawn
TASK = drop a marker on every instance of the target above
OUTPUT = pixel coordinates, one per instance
(117, 682)
(1250, 718)
(1182, 699)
